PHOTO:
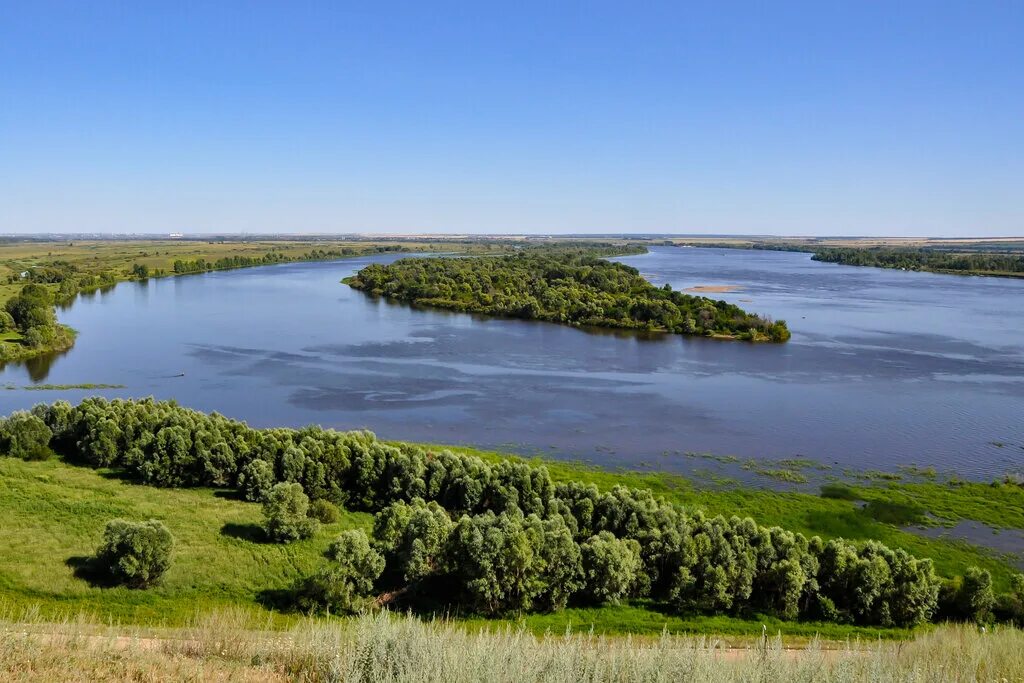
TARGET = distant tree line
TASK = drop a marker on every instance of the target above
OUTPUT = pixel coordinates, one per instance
(1011, 264)
(571, 286)
(456, 531)
(201, 265)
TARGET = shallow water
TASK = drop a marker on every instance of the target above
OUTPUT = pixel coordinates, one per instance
(885, 368)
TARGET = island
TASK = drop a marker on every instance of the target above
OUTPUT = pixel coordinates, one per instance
(573, 287)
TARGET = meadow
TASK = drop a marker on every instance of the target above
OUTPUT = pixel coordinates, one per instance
(54, 514)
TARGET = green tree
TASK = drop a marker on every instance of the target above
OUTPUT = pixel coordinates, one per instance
(342, 587)
(285, 511)
(411, 537)
(976, 596)
(135, 553)
(610, 567)
(256, 480)
(26, 436)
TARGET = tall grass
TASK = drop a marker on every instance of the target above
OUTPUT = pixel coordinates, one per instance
(384, 647)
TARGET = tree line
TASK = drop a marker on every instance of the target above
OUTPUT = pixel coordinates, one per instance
(570, 286)
(456, 531)
(925, 259)
(201, 265)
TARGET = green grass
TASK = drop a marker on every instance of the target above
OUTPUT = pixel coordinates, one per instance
(54, 513)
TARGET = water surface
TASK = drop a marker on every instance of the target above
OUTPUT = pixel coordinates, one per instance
(885, 368)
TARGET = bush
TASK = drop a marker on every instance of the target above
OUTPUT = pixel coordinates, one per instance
(324, 511)
(135, 553)
(285, 509)
(256, 480)
(25, 436)
(610, 567)
(343, 586)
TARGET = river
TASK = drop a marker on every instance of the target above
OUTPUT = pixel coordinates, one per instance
(885, 368)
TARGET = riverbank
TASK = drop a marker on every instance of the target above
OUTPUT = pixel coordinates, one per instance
(54, 515)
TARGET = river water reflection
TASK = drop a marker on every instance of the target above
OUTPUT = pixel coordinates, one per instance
(885, 368)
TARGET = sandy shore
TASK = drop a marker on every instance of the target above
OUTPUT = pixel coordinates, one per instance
(704, 289)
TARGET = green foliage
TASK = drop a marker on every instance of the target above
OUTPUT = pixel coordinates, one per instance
(7, 323)
(32, 307)
(515, 544)
(324, 511)
(976, 597)
(574, 287)
(342, 587)
(285, 510)
(839, 492)
(26, 436)
(610, 566)
(411, 537)
(510, 563)
(135, 553)
(256, 479)
(891, 512)
(924, 259)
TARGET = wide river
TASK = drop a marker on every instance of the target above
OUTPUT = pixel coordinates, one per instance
(885, 368)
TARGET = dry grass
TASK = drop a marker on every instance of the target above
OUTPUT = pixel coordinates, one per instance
(383, 647)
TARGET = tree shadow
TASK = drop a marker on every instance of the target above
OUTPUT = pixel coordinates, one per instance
(277, 599)
(253, 533)
(88, 569)
(229, 494)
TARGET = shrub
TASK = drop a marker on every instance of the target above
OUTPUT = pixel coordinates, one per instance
(25, 436)
(285, 509)
(343, 586)
(610, 567)
(324, 511)
(256, 480)
(135, 553)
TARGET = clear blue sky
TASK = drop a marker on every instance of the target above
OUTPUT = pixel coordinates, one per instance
(859, 117)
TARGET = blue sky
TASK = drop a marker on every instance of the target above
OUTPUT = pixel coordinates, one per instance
(861, 117)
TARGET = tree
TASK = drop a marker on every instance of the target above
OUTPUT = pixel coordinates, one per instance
(610, 567)
(976, 596)
(256, 480)
(32, 307)
(343, 586)
(285, 509)
(411, 537)
(135, 553)
(24, 435)
(140, 270)
(496, 560)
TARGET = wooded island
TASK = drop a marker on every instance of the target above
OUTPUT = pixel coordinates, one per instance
(573, 287)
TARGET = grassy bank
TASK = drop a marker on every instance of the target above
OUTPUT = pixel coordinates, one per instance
(386, 648)
(54, 515)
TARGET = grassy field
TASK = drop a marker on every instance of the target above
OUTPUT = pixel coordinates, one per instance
(54, 513)
(381, 647)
